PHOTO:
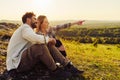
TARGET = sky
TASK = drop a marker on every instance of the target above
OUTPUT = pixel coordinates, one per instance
(61, 9)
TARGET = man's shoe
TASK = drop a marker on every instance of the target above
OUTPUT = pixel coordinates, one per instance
(73, 70)
(59, 73)
(11, 74)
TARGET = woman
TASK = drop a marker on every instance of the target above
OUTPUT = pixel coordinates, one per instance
(43, 28)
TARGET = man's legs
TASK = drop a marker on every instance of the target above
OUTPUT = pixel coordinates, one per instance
(40, 52)
(35, 54)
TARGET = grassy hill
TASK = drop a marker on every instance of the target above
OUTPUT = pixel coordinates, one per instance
(101, 63)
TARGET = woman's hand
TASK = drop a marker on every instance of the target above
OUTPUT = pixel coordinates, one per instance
(52, 41)
(78, 22)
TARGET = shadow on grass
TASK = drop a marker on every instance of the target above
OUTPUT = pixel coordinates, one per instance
(5, 76)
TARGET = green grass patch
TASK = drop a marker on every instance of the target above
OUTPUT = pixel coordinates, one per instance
(99, 63)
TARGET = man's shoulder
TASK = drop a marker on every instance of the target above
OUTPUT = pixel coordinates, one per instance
(22, 27)
(25, 26)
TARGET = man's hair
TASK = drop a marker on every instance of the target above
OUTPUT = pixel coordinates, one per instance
(27, 15)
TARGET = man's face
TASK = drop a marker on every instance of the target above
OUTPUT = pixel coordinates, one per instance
(33, 22)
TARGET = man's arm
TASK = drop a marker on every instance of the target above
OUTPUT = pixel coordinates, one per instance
(31, 36)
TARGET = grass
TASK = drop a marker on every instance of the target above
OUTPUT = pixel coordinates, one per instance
(99, 63)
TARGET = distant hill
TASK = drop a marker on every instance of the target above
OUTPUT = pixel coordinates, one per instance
(90, 23)
(11, 21)
(87, 24)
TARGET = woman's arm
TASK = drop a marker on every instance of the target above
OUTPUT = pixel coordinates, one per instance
(77, 22)
(52, 30)
(67, 25)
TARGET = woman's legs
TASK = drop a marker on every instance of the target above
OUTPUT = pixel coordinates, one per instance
(57, 55)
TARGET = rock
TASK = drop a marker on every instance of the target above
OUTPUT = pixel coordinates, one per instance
(37, 73)
(7, 26)
(5, 37)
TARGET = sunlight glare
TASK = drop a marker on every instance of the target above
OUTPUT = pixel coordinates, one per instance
(41, 4)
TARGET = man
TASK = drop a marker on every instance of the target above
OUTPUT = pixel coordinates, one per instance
(26, 48)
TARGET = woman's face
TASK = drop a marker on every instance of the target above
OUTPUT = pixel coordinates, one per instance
(45, 23)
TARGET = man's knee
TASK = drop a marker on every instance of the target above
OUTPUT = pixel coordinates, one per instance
(37, 49)
(37, 46)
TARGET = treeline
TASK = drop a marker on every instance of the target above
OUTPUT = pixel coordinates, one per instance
(82, 35)
(87, 35)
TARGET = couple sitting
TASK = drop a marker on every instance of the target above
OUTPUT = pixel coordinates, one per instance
(26, 48)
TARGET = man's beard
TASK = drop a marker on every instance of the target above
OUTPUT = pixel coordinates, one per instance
(33, 25)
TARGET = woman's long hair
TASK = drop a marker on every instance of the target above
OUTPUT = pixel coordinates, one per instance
(40, 19)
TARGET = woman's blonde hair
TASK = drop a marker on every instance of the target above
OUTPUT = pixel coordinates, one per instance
(40, 19)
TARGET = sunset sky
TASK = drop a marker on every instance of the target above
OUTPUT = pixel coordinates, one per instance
(61, 9)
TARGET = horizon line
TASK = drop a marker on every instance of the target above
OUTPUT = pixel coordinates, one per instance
(62, 20)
